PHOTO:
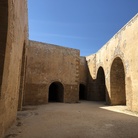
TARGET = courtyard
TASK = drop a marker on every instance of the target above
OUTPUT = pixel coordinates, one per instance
(85, 119)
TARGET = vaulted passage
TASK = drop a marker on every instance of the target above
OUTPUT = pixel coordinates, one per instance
(117, 80)
(56, 92)
(82, 92)
(101, 89)
(3, 34)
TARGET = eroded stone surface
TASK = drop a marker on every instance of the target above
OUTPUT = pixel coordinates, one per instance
(28, 68)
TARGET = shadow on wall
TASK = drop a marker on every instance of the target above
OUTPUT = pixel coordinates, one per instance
(97, 90)
(3, 44)
(3, 35)
(22, 78)
(100, 95)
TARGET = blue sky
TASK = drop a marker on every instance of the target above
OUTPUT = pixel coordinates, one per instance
(81, 24)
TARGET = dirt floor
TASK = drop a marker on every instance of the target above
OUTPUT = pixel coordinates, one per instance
(80, 120)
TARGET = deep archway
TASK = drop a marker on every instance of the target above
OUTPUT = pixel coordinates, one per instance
(56, 92)
(82, 92)
(101, 88)
(3, 34)
(117, 82)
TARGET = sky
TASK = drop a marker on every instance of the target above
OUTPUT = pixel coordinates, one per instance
(80, 24)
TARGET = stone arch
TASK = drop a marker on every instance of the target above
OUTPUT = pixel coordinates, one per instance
(56, 92)
(3, 35)
(82, 92)
(117, 82)
(100, 82)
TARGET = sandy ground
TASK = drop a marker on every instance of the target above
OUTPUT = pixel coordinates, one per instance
(81, 120)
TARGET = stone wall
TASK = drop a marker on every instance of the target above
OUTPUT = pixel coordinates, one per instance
(118, 56)
(83, 70)
(91, 62)
(13, 34)
(83, 79)
(46, 64)
(30, 70)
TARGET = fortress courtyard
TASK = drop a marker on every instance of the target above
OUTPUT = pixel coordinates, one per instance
(85, 119)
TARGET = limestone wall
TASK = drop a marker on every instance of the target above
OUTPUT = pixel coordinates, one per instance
(15, 29)
(46, 64)
(122, 47)
(83, 70)
(91, 63)
(83, 79)
(29, 69)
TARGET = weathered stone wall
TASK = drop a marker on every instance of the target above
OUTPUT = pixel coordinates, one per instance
(111, 74)
(83, 79)
(14, 32)
(118, 54)
(46, 64)
(91, 62)
(83, 70)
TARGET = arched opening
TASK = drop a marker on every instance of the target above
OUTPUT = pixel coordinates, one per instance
(117, 80)
(3, 34)
(101, 89)
(56, 92)
(82, 92)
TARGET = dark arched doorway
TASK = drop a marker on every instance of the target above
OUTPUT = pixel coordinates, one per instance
(101, 89)
(56, 91)
(82, 92)
(117, 80)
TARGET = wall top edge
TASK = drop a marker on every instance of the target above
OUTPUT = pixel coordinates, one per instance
(48, 44)
(115, 35)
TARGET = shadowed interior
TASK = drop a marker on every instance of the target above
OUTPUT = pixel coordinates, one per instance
(82, 92)
(3, 34)
(56, 91)
(101, 90)
(117, 79)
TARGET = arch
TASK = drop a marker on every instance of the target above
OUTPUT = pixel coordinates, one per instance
(56, 92)
(82, 92)
(3, 35)
(117, 82)
(101, 88)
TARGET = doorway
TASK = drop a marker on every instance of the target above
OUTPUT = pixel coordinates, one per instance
(56, 91)
(117, 83)
(82, 92)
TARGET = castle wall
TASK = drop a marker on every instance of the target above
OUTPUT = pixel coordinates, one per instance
(46, 64)
(13, 34)
(83, 70)
(123, 47)
(29, 70)
(83, 75)
(91, 62)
